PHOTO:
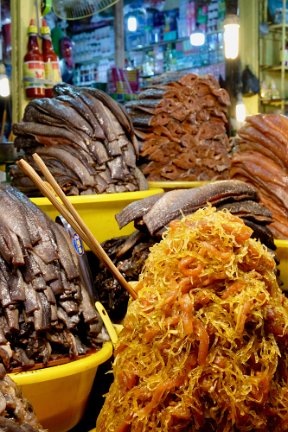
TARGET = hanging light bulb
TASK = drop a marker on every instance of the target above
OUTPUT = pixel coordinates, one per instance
(231, 37)
(132, 23)
(240, 110)
(197, 37)
(4, 82)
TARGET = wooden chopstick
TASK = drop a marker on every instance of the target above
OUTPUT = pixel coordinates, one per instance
(71, 215)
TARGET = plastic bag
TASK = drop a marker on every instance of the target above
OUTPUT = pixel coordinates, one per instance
(250, 83)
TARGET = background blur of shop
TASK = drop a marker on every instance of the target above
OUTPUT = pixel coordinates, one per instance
(123, 47)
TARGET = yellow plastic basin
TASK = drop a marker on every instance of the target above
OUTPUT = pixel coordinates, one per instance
(282, 254)
(98, 211)
(168, 185)
(59, 394)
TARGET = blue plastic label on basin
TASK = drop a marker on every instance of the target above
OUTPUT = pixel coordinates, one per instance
(77, 243)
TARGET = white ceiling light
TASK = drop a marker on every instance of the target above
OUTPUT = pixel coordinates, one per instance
(132, 23)
(197, 38)
(240, 110)
(231, 37)
(4, 82)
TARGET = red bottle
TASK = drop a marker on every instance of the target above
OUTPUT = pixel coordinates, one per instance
(33, 68)
(51, 61)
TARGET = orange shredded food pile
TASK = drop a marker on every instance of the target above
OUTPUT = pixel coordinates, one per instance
(204, 346)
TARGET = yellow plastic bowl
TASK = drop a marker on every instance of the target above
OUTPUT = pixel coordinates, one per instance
(98, 211)
(168, 185)
(59, 394)
(282, 254)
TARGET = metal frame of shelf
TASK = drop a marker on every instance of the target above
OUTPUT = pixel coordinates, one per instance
(282, 28)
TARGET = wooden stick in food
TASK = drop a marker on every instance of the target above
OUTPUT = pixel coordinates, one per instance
(70, 214)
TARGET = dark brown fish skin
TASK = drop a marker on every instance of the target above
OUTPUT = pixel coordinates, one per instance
(62, 111)
(119, 112)
(42, 315)
(141, 179)
(16, 286)
(117, 168)
(99, 151)
(80, 107)
(30, 303)
(5, 298)
(103, 116)
(66, 89)
(6, 244)
(50, 272)
(32, 114)
(72, 162)
(24, 204)
(13, 219)
(136, 209)
(44, 135)
(12, 317)
(48, 250)
(22, 142)
(184, 201)
(39, 117)
(17, 256)
(145, 105)
(88, 310)
(249, 210)
(152, 93)
(65, 256)
(31, 268)
(261, 233)
(142, 120)
(142, 103)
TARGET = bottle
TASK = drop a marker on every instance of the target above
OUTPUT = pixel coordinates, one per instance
(33, 67)
(51, 61)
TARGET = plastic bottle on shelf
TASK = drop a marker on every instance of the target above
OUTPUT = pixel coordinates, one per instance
(51, 60)
(33, 66)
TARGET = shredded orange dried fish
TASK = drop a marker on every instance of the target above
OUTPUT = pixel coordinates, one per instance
(204, 346)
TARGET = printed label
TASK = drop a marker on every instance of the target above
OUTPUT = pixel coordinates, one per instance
(33, 74)
(52, 73)
(78, 245)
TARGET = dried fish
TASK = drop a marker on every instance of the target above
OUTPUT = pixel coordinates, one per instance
(79, 133)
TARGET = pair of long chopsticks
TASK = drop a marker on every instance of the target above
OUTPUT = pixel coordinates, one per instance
(71, 215)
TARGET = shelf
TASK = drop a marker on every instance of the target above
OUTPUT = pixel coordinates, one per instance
(187, 69)
(95, 59)
(172, 41)
(274, 102)
(278, 27)
(270, 68)
(160, 43)
(83, 27)
(273, 68)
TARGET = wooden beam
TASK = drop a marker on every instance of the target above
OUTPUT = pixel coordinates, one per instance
(119, 35)
(21, 13)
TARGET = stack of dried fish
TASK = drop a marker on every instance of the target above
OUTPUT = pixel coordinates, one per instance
(46, 312)
(261, 159)
(183, 129)
(16, 413)
(152, 214)
(85, 138)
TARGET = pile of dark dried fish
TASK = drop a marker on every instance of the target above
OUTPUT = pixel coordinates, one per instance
(260, 158)
(46, 312)
(152, 214)
(85, 138)
(182, 128)
(16, 412)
